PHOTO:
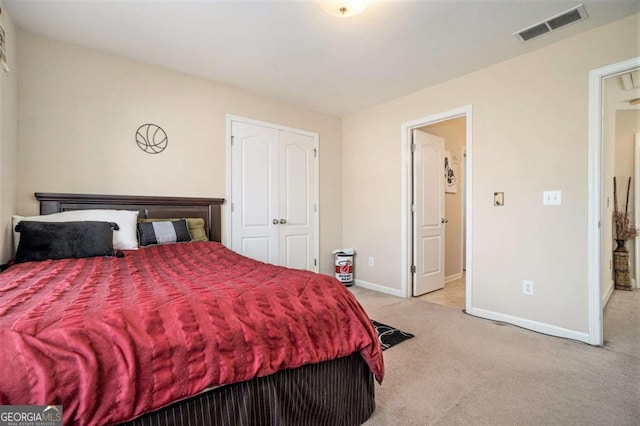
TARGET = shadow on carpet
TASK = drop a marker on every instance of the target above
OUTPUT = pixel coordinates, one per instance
(390, 336)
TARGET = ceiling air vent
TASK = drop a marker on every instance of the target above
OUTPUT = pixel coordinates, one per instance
(578, 13)
(535, 31)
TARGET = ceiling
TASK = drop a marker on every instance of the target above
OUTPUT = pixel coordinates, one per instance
(619, 95)
(294, 52)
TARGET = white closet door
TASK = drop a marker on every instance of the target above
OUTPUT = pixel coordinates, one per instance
(274, 195)
(297, 200)
(254, 188)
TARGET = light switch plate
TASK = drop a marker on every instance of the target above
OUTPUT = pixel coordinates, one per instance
(552, 198)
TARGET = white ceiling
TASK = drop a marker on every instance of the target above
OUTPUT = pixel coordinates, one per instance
(618, 96)
(294, 52)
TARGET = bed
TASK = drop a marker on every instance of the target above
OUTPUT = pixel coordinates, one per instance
(185, 333)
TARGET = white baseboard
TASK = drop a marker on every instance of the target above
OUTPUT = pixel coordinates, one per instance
(540, 327)
(607, 295)
(453, 277)
(380, 288)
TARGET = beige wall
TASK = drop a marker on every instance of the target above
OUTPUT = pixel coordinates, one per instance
(454, 134)
(530, 134)
(79, 110)
(8, 136)
(627, 124)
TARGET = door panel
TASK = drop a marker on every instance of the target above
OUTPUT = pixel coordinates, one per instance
(254, 160)
(431, 255)
(257, 248)
(256, 188)
(428, 195)
(296, 248)
(428, 185)
(296, 192)
(297, 198)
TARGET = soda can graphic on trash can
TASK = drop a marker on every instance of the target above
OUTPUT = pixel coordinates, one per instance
(344, 265)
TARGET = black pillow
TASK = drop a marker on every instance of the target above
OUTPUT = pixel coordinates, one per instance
(61, 240)
(163, 232)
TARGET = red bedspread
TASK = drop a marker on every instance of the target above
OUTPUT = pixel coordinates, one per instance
(112, 338)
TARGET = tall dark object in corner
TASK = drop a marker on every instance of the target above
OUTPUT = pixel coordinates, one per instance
(623, 232)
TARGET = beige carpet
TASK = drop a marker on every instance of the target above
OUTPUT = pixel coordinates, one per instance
(462, 370)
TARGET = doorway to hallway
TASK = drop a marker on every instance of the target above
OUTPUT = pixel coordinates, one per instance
(421, 255)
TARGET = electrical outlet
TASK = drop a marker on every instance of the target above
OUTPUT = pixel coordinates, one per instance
(527, 287)
(370, 261)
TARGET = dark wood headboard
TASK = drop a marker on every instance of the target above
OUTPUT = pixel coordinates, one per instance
(149, 207)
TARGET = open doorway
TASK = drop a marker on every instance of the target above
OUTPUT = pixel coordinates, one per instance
(453, 134)
(621, 155)
(455, 218)
(601, 171)
(620, 124)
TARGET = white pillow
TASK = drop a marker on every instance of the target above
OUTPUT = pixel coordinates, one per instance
(124, 239)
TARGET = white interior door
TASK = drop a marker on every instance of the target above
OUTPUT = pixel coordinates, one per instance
(297, 201)
(428, 241)
(254, 191)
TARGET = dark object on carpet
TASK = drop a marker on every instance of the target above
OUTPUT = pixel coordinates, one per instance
(390, 336)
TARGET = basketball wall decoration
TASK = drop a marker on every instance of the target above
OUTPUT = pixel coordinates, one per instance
(151, 138)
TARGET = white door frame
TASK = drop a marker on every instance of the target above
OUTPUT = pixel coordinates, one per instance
(405, 190)
(596, 77)
(226, 239)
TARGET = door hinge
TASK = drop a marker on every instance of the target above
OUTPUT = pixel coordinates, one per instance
(315, 262)
(315, 208)
(413, 147)
(315, 152)
(231, 139)
(599, 224)
(413, 269)
(413, 208)
(232, 207)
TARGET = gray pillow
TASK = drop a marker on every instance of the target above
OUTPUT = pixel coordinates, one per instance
(163, 232)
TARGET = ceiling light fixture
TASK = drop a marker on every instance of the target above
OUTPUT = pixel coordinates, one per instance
(343, 8)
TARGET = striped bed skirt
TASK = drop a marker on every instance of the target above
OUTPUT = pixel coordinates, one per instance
(337, 392)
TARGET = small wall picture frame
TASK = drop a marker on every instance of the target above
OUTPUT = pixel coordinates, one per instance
(450, 174)
(498, 199)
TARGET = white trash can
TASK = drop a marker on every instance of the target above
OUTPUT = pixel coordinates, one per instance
(344, 265)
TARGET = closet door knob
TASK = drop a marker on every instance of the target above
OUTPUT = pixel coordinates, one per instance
(275, 221)
(283, 221)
